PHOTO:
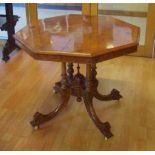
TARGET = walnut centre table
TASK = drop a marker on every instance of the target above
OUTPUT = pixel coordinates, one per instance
(78, 39)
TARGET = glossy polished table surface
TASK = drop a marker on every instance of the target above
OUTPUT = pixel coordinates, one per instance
(86, 38)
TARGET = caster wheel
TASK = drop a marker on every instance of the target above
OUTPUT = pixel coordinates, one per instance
(36, 127)
(105, 138)
(54, 91)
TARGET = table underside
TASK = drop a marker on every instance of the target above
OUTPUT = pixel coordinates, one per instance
(83, 88)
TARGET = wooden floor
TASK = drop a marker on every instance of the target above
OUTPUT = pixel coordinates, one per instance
(26, 87)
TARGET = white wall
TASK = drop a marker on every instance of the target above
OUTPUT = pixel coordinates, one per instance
(141, 7)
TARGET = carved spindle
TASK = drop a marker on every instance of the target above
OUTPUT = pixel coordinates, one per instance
(70, 71)
(78, 68)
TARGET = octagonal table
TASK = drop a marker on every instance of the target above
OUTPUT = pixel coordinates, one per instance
(78, 39)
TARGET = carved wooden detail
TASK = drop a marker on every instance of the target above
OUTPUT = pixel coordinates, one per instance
(82, 87)
(70, 72)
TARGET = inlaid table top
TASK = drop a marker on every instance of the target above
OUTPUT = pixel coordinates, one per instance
(78, 38)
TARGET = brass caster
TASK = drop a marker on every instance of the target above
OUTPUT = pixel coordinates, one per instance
(54, 91)
(36, 127)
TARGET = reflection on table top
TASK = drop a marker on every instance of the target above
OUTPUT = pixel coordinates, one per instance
(78, 36)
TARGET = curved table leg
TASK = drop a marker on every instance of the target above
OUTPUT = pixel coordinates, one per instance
(103, 127)
(40, 118)
(88, 97)
(114, 95)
